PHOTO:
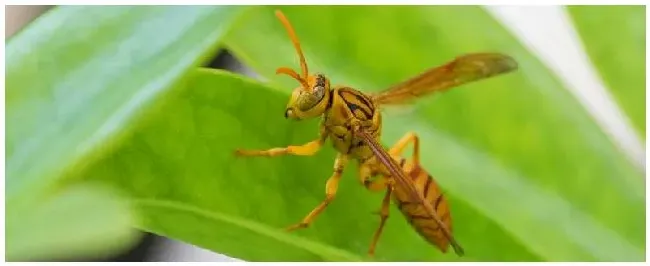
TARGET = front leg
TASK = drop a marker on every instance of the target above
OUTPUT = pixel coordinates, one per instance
(306, 149)
(331, 187)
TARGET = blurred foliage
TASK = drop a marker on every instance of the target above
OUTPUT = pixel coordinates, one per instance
(529, 175)
(80, 222)
(75, 77)
(614, 37)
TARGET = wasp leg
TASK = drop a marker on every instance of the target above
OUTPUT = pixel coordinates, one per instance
(330, 192)
(401, 144)
(307, 149)
(365, 175)
(365, 172)
(383, 214)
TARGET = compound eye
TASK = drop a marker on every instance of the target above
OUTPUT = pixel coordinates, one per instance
(307, 100)
(319, 92)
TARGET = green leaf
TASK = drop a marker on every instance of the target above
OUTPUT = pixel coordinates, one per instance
(529, 175)
(543, 177)
(66, 226)
(185, 188)
(76, 77)
(78, 74)
(257, 235)
(195, 190)
(614, 37)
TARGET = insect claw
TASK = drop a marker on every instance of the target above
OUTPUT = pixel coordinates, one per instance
(459, 250)
(382, 215)
(296, 227)
(240, 152)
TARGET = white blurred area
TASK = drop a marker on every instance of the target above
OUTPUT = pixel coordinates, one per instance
(175, 251)
(546, 31)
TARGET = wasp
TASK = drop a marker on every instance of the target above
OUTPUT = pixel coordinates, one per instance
(352, 120)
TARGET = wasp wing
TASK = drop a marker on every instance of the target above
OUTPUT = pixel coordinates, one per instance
(462, 70)
(404, 182)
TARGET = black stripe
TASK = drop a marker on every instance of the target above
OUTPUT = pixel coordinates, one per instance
(353, 106)
(438, 200)
(364, 100)
(402, 162)
(426, 186)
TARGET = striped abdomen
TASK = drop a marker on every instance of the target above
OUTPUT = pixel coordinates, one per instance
(416, 214)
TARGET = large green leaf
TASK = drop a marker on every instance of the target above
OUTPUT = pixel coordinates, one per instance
(540, 169)
(79, 73)
(75, 78)
(529, 176)
(179, 166)
(614, 37)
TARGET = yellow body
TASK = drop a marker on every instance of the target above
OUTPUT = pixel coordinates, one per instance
(349, 106)
(346, 107)
(352, 121)
(341, 108)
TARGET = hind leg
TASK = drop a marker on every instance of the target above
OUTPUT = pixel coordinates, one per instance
(401, 144)
(387, 183)
(383, 214)
(378, 184)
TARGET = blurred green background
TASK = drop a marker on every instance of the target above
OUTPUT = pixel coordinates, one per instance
(113, 124)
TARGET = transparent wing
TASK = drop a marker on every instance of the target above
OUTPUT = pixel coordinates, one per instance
(462, 70)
